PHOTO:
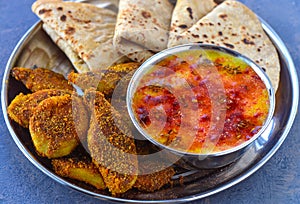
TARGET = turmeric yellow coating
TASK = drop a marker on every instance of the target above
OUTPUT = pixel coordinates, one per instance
(21, 108)
(57, 124)
(40, 78)
(111, 145)
(105, 80)
(81, 170)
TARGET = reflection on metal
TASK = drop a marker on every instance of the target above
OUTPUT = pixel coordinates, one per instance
(265, 137)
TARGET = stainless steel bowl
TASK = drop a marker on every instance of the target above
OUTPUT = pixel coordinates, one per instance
(212, 159)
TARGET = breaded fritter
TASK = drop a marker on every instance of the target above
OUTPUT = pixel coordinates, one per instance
(111, 144)
(40, 78)
(106, 80)
(21, 108)
(57, 124)
(157, 177)
(82, 170)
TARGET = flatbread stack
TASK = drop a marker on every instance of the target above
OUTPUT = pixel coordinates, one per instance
(142, 27)
(233, 25)
(83, 31)
(94, 38)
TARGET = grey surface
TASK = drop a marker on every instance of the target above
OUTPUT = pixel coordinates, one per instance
(278, 181)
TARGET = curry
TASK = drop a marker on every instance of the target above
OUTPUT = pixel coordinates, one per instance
(201, 101)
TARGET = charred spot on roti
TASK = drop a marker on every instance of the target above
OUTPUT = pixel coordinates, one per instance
(70, 31)
(63, 18)
(258, 49)
(182, 26)
(43, 11)
(195, 35)
(211, 24)
(60, 8)
(220, 33)
(218, 1)
(146, 14)
(223, 16)
(190, 10)
(248, 42)
(205, 36)
(229, 45)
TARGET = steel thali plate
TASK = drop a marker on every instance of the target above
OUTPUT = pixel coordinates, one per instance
(36, 49)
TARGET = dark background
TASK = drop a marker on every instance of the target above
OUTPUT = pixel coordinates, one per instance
(278, 181)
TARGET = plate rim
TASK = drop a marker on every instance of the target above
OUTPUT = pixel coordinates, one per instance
(279, 44)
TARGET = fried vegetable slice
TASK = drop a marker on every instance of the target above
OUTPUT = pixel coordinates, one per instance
(57, 124)
(155, 179)
(82, 170)
(40, 78)
(21, 108)
(111, 144)
(106, 80)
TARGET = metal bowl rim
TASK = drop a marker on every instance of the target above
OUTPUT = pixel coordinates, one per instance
(139, 73)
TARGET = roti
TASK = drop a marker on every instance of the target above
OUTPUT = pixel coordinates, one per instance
(186, 13)
(233, 25)
(83, 31)
(142, 27)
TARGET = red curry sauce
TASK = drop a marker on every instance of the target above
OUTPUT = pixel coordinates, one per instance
(175, 100)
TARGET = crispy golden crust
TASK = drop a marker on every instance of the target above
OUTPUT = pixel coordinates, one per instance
(17, 111)
(21, 108)
(106, 80)
(56, 125)
(81, 170)
(153, 181)
(40, 78)
(111, 145)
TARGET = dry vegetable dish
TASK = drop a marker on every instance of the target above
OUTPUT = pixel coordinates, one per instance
(59, 120)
